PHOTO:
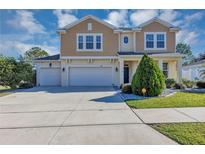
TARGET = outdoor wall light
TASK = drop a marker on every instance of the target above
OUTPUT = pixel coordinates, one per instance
(63, 69)
(116, 69)
(50, 64)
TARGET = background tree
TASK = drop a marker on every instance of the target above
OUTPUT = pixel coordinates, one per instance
(148, 76)
(7, 71)
(33, 53)
(185, 49)
(202, 56)
(12, 72)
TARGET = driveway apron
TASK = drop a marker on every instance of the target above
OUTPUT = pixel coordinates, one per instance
(74, 115)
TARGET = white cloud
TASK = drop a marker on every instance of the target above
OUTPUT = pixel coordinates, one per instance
(186, 36)
(26, 21)
(141, 16)
(118, 18)
(189, 19)
(16, 48)
(64, 17)
(170, 16)
(22, 47)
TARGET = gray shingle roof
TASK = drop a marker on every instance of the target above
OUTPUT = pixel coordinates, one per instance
(53, 57)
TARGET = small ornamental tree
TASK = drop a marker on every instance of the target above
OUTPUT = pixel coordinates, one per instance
(148, 79)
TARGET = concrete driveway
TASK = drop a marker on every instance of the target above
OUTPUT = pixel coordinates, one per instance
(75, 115)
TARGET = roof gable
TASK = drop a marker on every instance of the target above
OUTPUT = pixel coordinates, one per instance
(85, 18)
(166, 24)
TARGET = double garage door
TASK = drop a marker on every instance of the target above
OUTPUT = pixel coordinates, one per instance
(90, 76)
(77, 76)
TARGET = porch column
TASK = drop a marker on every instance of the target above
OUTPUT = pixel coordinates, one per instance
(161, 64)
(179, 69)
(121, 71)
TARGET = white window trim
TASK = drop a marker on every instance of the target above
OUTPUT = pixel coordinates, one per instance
(155, 40)
(94, 42)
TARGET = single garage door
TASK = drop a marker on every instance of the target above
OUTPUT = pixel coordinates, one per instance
(90, 76)
(50, 77)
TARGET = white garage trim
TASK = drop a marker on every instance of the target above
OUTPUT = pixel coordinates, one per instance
(108, 79)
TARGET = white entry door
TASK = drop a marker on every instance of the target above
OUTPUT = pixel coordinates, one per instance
(90, 76)
(50, 77)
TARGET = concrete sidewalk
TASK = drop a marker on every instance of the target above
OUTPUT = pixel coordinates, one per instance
(171, 115)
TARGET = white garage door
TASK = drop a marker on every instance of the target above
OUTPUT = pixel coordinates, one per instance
(50, 77)
(90, 76)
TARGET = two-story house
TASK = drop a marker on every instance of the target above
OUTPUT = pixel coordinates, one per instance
(96, 53)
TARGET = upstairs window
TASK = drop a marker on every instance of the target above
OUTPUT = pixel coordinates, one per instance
(98, 42)
(155, 41)
(80, 42)
(89, 42)
(125, 39)
(150, 41)
(160, 40)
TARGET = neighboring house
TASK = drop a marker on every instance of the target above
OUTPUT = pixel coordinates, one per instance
(96, 53)
(193, 71)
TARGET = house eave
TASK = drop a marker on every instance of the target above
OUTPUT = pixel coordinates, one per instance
(89, 57)
(61, 31)
(177, 55)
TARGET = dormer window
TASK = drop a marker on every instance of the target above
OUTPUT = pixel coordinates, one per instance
(89, 42)
(155, 41)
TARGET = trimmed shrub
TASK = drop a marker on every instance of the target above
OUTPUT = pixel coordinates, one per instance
(188, 83)
(126, 88)
(200, 84)
(170, 83)
(149, 77)
(179, 86)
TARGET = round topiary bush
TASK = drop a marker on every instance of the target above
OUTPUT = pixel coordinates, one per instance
(148, 77)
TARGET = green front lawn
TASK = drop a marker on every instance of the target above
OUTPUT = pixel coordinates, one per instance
(180, 99)
(183, 133)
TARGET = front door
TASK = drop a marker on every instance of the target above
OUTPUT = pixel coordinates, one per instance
(126, 73)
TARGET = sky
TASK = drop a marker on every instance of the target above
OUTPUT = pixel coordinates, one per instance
(22, 29)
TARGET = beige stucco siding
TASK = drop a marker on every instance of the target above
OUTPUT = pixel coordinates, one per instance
(155, 27)
(110, 40)
(129, 45)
